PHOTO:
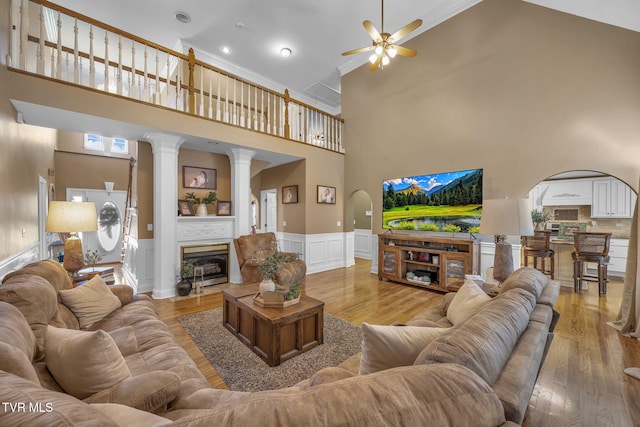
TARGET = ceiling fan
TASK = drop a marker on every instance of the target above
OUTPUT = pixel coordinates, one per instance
(384, 46)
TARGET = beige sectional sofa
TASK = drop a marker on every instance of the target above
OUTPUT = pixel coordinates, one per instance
(480, 372)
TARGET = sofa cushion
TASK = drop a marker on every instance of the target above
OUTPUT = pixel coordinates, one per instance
(36, 300)
(125, 416)
(83, 362)
(485, 342)
(149, 392)
(526, 278)
(466, 302)
(385, 347)
(48, 408)
(53, 272)
(90, 302)
(17, 343)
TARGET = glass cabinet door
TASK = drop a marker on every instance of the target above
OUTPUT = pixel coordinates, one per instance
(454, 270)
(390, 262)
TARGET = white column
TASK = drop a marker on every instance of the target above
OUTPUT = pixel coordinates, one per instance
(241, 201)
(165, 213)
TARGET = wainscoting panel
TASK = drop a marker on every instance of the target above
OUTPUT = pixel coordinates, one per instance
(374, 255)
(325, 252)
(291, 242)
(363, 247)
(20, 260)
(138, 265)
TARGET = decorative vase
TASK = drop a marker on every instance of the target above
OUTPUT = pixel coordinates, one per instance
(202, 210)
(267, 286)
(183, 288)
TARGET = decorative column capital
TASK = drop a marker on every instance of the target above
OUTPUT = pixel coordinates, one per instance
(164, 141)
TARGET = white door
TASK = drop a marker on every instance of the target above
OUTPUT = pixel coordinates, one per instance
(110, 208)
(269, 210)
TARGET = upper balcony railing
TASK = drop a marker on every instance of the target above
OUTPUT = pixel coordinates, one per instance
(74, 48)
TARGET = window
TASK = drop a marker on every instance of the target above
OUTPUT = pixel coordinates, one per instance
(120, 146)
(93, 142)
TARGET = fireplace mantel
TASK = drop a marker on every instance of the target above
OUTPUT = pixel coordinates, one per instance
(210, 227)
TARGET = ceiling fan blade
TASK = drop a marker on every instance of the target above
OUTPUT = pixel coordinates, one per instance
(376, 63)
(375, 34)
(404, 51)
(404, 30)
(362, 49)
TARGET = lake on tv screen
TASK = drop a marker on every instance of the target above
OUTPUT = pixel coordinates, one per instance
(449, 202)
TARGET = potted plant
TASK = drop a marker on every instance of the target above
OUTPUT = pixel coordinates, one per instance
(202, 202)
(540, 218)
(91, 258)
(268, 261)
(183, 287)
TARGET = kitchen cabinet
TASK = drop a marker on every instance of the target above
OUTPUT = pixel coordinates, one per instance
(612, 199)
(566, 192)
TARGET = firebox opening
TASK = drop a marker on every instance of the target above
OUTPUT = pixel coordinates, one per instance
(214, 258)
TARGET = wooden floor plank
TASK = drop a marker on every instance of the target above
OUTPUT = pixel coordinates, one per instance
(581, 382)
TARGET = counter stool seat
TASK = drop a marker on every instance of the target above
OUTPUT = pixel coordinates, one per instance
(538, 247)
(593, 248)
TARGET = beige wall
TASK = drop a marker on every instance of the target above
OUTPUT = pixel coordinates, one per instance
(27, 152)
(144, 168)
(219, 162)
(519, 90)
(292, 213)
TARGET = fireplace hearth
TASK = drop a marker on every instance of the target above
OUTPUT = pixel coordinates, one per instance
(213, 258)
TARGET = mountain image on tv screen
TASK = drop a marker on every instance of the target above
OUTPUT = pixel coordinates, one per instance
(448, 202)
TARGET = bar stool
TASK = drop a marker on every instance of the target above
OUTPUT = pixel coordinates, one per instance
(538, 247)
(590, 247)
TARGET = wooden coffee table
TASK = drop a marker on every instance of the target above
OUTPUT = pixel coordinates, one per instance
(274, 334)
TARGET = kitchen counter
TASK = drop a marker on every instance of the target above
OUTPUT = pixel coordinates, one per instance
(564, 262)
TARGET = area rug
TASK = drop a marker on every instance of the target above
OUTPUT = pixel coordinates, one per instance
(242, 370)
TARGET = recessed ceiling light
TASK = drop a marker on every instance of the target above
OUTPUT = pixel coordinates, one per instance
(239, 25)
(183, 17)
(285, 51)
(225, 50)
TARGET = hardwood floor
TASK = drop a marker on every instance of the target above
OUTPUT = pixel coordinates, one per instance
(581, 382)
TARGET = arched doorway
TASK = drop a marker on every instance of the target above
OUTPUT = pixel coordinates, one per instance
(585, 201)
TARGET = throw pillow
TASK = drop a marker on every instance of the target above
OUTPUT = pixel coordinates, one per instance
(83, 362)
(466, 302)
(90, 302)
(385, 347)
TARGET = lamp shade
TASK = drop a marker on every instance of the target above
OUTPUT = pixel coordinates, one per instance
(69, 217)
(506, 217)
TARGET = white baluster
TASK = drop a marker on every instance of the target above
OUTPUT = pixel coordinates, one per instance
(157, 95)
(255, 107)
(92, 62)
(119, 69)
(210, 94)
(59, 48)
(226, 102)
(146, 95)
(133, 86)
(24, 31)
(241, 103)
(75, 52)
(106, 61)
(202, 91)
(167, 100)
(218, 113)
(234, 111)
(52, 67)
(261, 110)
(40, 63)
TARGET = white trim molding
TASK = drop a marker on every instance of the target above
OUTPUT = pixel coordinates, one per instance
(20, 260)
(321, 252)
(363, 244)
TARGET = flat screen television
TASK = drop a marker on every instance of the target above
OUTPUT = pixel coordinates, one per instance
(448, 202)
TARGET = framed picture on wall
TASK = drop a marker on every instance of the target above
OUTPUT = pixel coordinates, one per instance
(326, 195)
(290, 194)
(224, 208)
(185, 208)
(197, 177)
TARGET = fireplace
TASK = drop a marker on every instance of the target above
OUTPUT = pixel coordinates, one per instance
(214, 258)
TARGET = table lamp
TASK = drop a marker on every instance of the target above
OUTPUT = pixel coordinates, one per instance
(502, 218)
(72, 217)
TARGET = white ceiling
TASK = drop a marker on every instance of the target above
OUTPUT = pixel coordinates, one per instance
(316, 31)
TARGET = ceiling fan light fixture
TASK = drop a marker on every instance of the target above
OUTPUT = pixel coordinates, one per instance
(385, 60)
(378, 50)
(392, 52)
(373, 58)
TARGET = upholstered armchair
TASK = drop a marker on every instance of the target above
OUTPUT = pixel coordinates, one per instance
(292, 271)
